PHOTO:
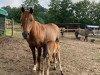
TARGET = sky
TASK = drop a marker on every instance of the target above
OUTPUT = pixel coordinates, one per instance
(17, 3)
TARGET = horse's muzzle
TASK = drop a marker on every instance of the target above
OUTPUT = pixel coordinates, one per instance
(25, 35)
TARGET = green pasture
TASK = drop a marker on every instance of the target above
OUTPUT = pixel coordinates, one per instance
(16, 33)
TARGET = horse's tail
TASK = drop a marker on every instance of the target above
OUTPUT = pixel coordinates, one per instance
(76, 34)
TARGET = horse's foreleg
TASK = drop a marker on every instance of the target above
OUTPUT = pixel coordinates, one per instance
(76, 34)
(39, 60)
(59, 61)
(86, 38)
(34, 57)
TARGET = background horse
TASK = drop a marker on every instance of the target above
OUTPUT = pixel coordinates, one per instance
(37, 35)
(83, 32)
(62, 30)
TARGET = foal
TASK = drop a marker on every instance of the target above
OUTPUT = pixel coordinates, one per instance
(53, 53)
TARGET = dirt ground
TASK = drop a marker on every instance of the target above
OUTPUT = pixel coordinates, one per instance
(77, 57)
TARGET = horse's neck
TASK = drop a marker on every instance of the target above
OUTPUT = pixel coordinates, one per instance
(36, 29)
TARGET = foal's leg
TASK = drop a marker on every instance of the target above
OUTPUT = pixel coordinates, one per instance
(39, 60)
(59, 61)
(34, 56)
(55, 61)
(48, 64)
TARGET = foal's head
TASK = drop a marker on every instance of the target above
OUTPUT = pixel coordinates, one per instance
(26, 21)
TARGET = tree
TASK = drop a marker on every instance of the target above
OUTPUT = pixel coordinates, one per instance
(95, 13)
(81, 12)
(66, 12)
(40, 14)
(13, 13)
(31, 3)
(8, 9)
(38, 10)
(53, 13)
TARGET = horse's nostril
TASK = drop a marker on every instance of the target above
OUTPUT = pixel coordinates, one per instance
(25, 35)
(28, 33)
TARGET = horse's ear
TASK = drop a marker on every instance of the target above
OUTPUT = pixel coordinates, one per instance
(22, 9)
(31, 10)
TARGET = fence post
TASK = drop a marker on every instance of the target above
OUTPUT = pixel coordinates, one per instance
(12, 27)
(5, 26)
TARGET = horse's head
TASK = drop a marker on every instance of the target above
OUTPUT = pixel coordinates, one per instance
(91, 31)
(26, 22)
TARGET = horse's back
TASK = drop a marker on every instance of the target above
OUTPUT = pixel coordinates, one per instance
(53, 46)
(53, 27)
(52, 31)
(47, 32)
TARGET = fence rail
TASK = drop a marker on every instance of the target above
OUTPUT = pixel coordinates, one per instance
(70, 30)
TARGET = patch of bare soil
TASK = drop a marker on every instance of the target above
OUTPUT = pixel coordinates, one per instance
(15, 57)
(80, 58)
(77, 57)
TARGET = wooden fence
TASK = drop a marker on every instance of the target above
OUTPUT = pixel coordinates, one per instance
(10, 26)
(2, 25)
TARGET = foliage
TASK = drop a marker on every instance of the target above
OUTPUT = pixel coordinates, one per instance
(13, 13)
(31, 3)
(66, 12)
(61, 11)
(53, 13)
(81, 12)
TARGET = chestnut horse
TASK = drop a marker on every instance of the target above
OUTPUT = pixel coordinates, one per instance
(53, 54)
(37, 35)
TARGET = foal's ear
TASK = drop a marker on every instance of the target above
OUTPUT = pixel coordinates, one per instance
(22, 9)
(31, 10)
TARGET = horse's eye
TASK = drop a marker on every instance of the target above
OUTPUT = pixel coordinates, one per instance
(30, 20)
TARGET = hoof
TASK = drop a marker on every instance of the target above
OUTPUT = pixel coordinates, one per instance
(34, 68)
(62, 73)
(54, 68)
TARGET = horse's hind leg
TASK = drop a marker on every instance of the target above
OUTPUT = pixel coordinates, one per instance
(39, 60)
(76, 35)
(45, 50)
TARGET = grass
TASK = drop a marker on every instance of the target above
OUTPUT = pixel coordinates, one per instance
(8, 32)
(15, 33)
(98, 40)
